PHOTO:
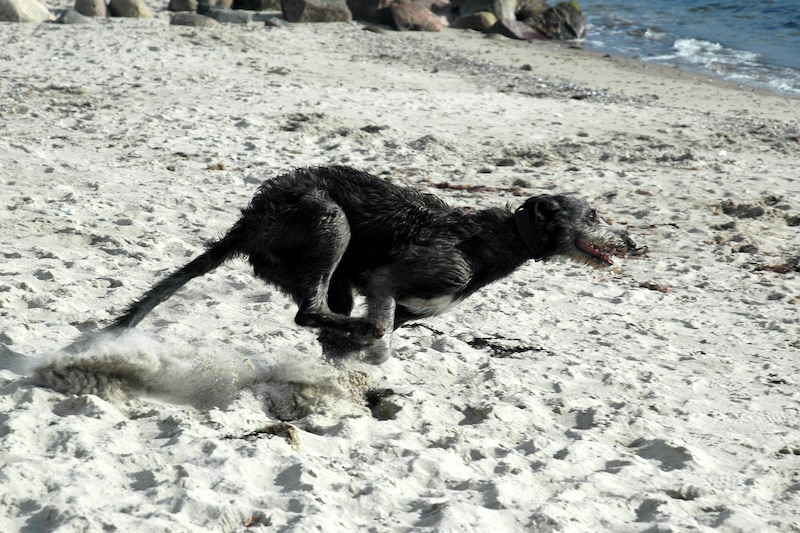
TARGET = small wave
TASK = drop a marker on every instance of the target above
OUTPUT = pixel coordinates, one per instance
(655, 34)
(709, 53)
(747, 50)
(736, 65)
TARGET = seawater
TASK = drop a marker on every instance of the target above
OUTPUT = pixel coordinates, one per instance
(752, 42)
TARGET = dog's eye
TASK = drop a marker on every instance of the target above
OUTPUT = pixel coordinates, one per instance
(593, 216)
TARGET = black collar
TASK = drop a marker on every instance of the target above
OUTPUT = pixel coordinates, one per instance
(529, 231)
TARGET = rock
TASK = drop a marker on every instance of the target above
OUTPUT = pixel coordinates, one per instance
(532, 6)
(375, 11)
(412, 16)
(24, 11)
(515, 30)
(224, 15)
(257, 5)
(182, 5)
(316, 11)
(276, 22)
(129, 9)
(480, 21)
(441, 8)
(503, 9)
(70, 16)
(563, 21)
(91, 8)
(184, 18)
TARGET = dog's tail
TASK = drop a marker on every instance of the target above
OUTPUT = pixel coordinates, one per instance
(217, 253)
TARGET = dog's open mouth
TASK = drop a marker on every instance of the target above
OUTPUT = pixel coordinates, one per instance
(594, 252)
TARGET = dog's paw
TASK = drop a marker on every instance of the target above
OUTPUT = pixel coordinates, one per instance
(379, 331)
(367, 330)
(337, 344)
(377, 353)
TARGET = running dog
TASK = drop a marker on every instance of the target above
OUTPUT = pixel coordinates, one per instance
(322, 234)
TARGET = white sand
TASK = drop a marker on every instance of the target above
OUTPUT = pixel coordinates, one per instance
(661, 395)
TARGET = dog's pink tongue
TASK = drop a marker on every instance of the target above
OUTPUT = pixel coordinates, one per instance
(594, 252)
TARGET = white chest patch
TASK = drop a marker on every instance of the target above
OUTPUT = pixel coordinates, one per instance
(430, 306)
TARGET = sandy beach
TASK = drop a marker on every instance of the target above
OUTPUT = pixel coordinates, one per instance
(660, 394)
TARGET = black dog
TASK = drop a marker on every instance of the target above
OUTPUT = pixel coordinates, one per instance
(320, 234)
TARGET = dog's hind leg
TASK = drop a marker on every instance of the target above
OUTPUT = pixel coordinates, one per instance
(340, 295)
(315, 262)
(337, 344)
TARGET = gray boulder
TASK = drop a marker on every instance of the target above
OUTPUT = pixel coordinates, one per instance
(224, 14)
(177, 6)
(503, 9)
(24, 11)
(413, 16)
(479, 21)
(515, 29)
(532, 6)
(257, 5)
(91, 8)
(316, 11)
(441, 8)
(184, 18)
(563, 21)
(129, 9)
(70, 16)
(375, 11)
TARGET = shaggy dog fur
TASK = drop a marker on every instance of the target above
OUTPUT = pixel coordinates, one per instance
(322, 234)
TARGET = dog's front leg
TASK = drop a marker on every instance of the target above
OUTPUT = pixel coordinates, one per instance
(380, 310)
(375, 349)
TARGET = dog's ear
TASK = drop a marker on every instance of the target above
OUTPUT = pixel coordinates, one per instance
(542, 207)
(532, 222)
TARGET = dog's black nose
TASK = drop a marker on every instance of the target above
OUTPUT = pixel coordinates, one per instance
(633, 248)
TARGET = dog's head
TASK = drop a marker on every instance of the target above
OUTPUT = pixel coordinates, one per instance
(553, 226)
